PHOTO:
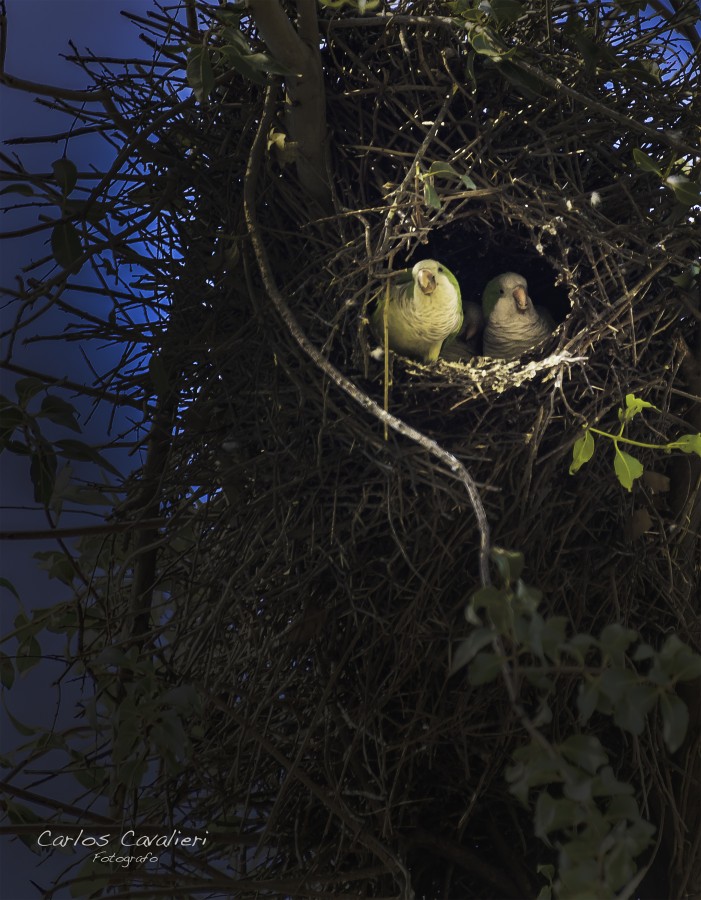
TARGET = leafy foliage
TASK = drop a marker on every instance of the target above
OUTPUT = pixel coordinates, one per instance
(578, 803)
(627, 468)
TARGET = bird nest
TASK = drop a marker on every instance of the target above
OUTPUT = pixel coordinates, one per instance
(340, 558)
(333, 559)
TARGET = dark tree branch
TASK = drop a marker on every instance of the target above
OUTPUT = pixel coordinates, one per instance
(298, 51)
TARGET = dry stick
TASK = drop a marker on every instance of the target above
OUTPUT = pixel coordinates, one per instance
(68, 385)
(457, 468)
(40, 534)
(413, 169)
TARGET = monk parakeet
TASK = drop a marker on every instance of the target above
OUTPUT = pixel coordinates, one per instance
(424, 311)
(514, 325)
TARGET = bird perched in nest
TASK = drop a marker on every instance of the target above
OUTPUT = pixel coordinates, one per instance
(424, 311)
(513, 323)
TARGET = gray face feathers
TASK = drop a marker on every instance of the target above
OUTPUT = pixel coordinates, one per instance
(514, 324)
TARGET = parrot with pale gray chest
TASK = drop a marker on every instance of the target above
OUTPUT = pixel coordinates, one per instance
(514, 324)
(424, 311)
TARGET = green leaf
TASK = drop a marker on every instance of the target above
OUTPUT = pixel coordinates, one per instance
(578, 786)
(8, 585)
(619, 866)
(59, 411)
(675, 721)
(688, 278)
(466, 650)
(615, 640)
(686, 665)
(28, 654)
(547, 871)
(265, 64)
(627, 468)
(470, 70)
(7, 671)
(483, 598)
(529, 597)
(582, 451)
(230, 17)
(553, 815)
(607, 785)
(235, 59)
(24, 189)
(484, 668)
(587, 699)
(615, 681)
(21, 728)
(466, 10)
(11, 418)
(66, 245)
(635, 405)
(553, 636)
(631, 710)
(643, 653)
(486, 44)
(28, 388)
(509, 564)
(686, 191)
(622, 806)
(42, 471)
(72, 449)
(689, 443)
(431, 197)
(504, 11)
(57, 564)
(200, 74)
(19, 814)
(529, 84)
(584, 750)
(644, 162)
(445, 170)
(578, 646)
(66, 174)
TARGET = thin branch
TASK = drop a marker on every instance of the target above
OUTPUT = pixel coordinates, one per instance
(41, 534)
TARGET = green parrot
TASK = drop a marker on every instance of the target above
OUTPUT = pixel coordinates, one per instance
(513, 323)
(424, 311)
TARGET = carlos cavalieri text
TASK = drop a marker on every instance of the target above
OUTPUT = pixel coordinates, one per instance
(128, 839)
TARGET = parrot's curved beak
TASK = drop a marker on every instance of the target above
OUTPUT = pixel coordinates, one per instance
(521, 298)
(427, 281)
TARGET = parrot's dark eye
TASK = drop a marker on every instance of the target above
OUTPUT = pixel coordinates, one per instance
(440, 268)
